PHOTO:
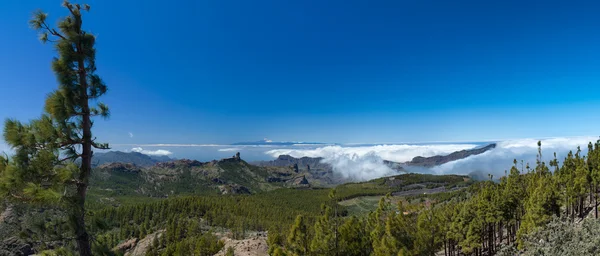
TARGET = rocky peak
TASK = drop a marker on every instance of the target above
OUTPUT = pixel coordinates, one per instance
(439, 159)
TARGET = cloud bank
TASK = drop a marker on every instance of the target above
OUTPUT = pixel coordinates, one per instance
(501, 158)
(229, 149)
(158, 152)
(396, 153)
(366, 162)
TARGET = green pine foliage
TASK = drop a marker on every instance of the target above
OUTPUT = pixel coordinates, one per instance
(43, 169)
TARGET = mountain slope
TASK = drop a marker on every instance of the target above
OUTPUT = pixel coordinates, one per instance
(314, 170)
(136, 158)
(226, 176)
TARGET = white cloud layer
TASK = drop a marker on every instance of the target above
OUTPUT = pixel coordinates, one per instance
(366, 162)
(396, 153)
(501, 158)
(229, 149)
(158, 152)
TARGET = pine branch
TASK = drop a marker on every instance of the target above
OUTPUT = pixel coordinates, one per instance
(51, 30)
(100, 145)
(69, 142)
(69, 158)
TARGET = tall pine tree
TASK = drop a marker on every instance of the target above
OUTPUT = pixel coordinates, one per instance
(52, 161)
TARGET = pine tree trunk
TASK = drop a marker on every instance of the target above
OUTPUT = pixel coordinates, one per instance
(445, 248)
(501, 233)
(581, 210)
(81, 235)
(572, 213)
(596, 201)
(83, 241)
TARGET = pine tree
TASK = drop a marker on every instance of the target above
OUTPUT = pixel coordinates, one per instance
(594, 166)
(230, 252)
(275, 241)
(323, 242)
(354, 238)
(43, 168)
(298, 239)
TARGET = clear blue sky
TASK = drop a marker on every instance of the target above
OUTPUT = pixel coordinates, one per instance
(331, 71)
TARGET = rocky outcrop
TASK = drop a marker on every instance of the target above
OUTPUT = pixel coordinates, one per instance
(439, 160)
(255, 245)
(285, 161)
(299, 181)
(126, 246)
(141, 247)
(15, 246)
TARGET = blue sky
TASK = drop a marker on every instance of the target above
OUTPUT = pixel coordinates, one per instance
(330, 71)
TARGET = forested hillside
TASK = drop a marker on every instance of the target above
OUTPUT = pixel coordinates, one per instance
(490, 218)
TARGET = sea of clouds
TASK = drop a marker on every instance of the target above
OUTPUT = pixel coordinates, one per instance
(366, 162)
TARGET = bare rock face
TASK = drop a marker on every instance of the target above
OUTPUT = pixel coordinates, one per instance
(15, 246)
(287, 160)
(439, 160)
(255, 245)
(299, 181)
(141, 248)
(126, 246)
(10, 244)
(6, 214)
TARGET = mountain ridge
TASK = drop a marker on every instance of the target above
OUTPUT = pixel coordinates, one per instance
(136, 158)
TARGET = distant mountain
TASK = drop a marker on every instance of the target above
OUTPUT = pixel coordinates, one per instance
(439, 160)
(136, 158)
(163, 179)
(314, 170)
(286, 160)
